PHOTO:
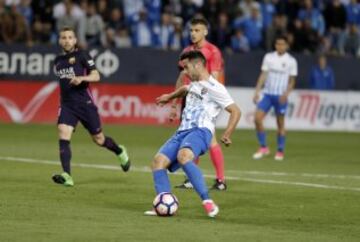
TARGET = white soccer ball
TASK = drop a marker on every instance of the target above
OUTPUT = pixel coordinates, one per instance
(166, 204)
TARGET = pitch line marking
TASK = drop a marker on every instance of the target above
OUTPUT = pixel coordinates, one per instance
(147, 170)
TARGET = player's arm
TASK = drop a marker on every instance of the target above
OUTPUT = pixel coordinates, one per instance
(89, 64)
(291, 85)
(93, 76)
(165, 98)
(259, 85)
(216, 64)
(234, 118)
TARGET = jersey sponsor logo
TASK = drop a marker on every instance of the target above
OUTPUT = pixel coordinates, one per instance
(66, 73)
(192, 94)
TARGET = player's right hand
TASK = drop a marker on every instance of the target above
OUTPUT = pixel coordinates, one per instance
(163, 99)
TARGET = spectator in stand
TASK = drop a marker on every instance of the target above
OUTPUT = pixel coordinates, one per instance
(173, 6)
(143, 32)
(268, 10)
(252, 27)
(239, 42)
(43, 26)
(115, 23)
(24, 8)
(61, 9)
(290, 8)
(247, 7)
(178, 42)
(227, 6)
(211, 10)
(153, 8)
(91, 28)
(304, 39)
(277, 28)
(132, 9)
(308, 12)
(166, 32)
(68, 19)
(353, 12)
(122, 38)
(14, 28)
(335, 17)
(352, 40)
(103, 9)
(322, 76)
(221, 34)
(189, 9)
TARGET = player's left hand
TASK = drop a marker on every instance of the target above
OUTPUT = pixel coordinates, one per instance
(75, 81)
(225, 139)
(283, 99)
(163, 99)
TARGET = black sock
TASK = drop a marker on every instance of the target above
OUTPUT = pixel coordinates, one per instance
(110, 144)
(65, 154)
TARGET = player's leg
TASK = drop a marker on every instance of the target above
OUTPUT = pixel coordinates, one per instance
(280, 110)
(119, 150)
(262, 109)
(280, 120)
(66, 123)
(90, 118)
(217, 159)
(193, 145)
(163, 161)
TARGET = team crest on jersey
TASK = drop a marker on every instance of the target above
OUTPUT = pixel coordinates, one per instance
(204, 91)
(72, 60)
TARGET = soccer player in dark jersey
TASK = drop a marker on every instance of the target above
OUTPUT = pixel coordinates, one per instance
(75, 70)
(215, 66)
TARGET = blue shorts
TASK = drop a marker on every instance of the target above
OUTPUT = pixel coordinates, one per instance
(196, 139)
(87, 114)
(269, 101)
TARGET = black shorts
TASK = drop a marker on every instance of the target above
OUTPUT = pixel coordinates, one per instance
(87, 114)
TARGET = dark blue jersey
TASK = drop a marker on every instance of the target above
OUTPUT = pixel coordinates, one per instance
(76, 63)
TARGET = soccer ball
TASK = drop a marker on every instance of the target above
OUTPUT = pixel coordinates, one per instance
(165, 204)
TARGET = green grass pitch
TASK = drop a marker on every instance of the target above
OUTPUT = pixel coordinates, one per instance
(313, 195)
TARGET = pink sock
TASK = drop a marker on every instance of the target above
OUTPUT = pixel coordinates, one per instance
(217, 159)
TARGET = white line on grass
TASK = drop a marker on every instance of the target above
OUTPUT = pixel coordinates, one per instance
(275, 173)
(147, 170)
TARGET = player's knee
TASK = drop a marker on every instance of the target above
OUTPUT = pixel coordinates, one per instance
(258, 119)
(185, 155)
(64, 132)
(98, 139)
(159, 162)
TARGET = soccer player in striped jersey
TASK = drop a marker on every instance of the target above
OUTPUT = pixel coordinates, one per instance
(278, 72)
(206, 98)
(76, 70)
(215, 66)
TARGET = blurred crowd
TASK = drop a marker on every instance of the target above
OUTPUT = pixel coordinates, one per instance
(318, 26)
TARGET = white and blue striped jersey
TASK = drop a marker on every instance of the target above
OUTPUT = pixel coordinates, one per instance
(279, 68)
(204, 101)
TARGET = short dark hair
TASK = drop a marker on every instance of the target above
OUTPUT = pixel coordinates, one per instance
(199, 20)
(67, 28)
(281, 37)
(194, 55)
